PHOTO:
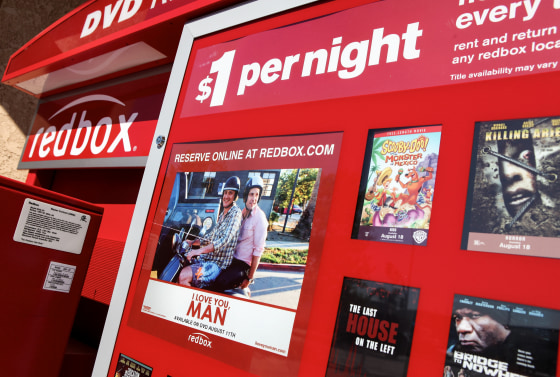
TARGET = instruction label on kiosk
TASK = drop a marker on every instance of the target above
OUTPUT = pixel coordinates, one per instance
(50, 226)
(59, 277)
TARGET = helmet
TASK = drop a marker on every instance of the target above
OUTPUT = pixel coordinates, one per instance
(233, 184)
(253, 182)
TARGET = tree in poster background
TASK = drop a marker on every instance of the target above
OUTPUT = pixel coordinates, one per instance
(374, 327)
(300, 194)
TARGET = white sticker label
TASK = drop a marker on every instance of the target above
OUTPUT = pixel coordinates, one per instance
(50, 226)
(59, 277)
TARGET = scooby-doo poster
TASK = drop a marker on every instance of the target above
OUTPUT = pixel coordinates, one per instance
(397, 185)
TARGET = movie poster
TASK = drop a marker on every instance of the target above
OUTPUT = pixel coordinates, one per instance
(496, 338)
(513, 203)
(127, 367)
(397, 185)
(229, 268)
(374, 328)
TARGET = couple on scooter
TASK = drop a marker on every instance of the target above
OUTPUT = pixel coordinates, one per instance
(232, 253)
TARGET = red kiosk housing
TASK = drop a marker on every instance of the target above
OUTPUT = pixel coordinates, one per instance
(47, 241)
(398, 64)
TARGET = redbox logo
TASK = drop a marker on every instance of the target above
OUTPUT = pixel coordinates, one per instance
(77, 133)
(201, 339)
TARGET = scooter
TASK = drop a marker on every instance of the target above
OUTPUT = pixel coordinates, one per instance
(182, 248)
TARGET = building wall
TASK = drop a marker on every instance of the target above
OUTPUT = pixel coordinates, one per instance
(19, 23)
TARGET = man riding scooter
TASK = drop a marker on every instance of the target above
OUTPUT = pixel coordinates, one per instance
(216, 252)
(250, 244)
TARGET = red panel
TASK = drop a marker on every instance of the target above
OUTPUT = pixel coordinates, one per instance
(440, 269)
(99, 186)
(106, 257)
(104, 186)
(102, 270)
(37, 322)
(359, 51)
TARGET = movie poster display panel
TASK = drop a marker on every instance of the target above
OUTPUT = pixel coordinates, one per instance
(513, 200)
(397, 185)
(297, 173)
(374, 328)
(266, 92)
(497, 338)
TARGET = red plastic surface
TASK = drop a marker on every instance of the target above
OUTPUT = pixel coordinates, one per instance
(36, 322)
(61, 44)
(97, 186)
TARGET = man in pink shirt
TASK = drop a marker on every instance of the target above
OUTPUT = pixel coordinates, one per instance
(250, 244)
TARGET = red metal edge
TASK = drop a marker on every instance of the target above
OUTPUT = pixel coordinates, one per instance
(150, 30)
(50, 195)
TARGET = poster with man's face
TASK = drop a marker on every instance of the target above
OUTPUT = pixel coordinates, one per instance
(231, 262)
(513, 205)
(497, 338)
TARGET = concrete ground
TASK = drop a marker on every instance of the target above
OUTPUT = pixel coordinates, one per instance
(277, 287)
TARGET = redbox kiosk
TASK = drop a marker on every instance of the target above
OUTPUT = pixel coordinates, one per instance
(100, 73)
(428, 132)
(47, 243)
(420, 232)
